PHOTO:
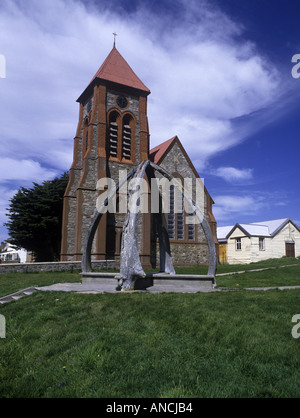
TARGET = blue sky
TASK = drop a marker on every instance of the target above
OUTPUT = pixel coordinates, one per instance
(220, 77)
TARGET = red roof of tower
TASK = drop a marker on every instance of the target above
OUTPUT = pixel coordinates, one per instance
(116, 69)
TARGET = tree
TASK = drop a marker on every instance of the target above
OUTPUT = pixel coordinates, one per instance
(35, 218)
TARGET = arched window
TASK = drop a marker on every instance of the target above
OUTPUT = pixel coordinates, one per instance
(127, 137)
(114, 120)
(176, 214)
(179, 227)
(121, 131)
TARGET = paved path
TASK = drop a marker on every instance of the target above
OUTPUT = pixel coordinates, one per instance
(270, 288)
(111, 288)
(104, 288)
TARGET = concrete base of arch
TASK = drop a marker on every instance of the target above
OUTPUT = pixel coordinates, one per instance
(154, 282)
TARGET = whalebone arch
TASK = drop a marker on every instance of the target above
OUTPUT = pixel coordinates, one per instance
(130, 265)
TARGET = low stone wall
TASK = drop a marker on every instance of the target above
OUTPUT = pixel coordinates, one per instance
(189, 254)
(54, 266)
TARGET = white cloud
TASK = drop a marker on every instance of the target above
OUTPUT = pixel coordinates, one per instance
(228, 207)
(235, 203)
(23, 170)
(203, 77)
(232, 174)
(251, 206)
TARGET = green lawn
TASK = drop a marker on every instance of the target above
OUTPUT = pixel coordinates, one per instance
(12, 282)
(222, 344)
(277, 276)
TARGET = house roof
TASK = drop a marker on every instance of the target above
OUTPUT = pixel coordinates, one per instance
(256, 229)
(274, 225)
(223, 232)
(116, 69)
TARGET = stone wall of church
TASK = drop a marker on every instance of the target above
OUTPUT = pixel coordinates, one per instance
(186, 252)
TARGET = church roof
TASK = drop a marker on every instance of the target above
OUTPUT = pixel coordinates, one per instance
(156, 153)
(115, 69)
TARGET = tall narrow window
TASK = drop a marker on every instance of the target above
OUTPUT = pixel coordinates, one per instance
(113, 135)
(261, 244)
(171, 214)
(86, 140)
(85, 137)
(238, 243)
(191, 227)
(190, 221)
(126, 138)
(176, 226)
(180, 216)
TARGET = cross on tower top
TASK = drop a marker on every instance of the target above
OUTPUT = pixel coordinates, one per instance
(115, 35)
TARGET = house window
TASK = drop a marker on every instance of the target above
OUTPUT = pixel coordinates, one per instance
(261, 244)
(238, 243)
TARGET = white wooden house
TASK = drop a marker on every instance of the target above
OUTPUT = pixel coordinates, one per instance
(247, 243)
(11, 254)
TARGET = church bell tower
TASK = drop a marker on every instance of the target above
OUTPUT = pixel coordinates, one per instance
(112, 135)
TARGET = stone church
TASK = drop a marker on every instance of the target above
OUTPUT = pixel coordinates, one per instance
(113, 135)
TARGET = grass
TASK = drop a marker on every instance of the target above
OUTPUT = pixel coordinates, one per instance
(271, 278)
(12, 282)
(142, 345)
(228, 344)
(276, 275)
